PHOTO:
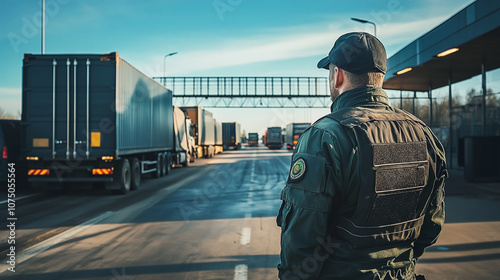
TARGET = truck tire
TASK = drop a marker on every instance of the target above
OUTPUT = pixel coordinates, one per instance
(163, 165)
(136, 174)
(192, 156)
(168, 164)
(123, 177)
(186, 162)
(158, 173)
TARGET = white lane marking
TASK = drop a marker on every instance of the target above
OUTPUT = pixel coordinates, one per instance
(241, 272)
(252, 176)
(19, 198)
(245, 236)
(44, 245)
(250, 195)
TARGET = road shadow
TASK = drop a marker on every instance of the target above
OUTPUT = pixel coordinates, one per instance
(131, 272)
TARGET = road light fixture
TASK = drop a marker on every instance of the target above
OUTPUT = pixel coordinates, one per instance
(367, 21)
(167, 55)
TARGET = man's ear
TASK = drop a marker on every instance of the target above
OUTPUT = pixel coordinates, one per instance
(331, 80)
(338, 77)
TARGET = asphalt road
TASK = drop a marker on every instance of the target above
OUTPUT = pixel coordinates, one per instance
(212, 220)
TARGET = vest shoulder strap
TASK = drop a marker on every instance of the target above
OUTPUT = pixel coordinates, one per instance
(354, 116)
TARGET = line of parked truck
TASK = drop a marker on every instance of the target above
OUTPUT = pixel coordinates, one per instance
(96, 118)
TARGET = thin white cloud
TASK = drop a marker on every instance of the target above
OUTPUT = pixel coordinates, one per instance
(252, 51)
(396, 34)
(275, 44)
(280, 44)
(242, 51)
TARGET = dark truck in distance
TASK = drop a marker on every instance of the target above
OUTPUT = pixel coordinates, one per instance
(94, 118)
(231, 136)
(273, 138)
(293, 132)
(253, 139)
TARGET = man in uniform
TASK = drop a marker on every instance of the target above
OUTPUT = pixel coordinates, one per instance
(365, 193)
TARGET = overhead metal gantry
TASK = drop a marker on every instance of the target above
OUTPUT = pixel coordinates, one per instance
(249, 92)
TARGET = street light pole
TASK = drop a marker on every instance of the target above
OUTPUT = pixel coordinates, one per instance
(164, 77)
(367, 21)
(43, 26)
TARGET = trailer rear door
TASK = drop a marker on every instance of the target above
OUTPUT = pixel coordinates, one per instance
(68, 104)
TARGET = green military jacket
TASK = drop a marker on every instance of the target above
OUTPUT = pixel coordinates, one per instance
(324, 184)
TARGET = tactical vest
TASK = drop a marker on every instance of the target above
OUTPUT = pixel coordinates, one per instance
(393, 176)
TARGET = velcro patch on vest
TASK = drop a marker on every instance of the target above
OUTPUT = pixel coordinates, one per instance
(394, 153)
(393, 179)
(400, 166)
(298, 170)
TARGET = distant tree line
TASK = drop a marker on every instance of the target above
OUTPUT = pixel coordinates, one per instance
(6, 115)
(440, 118)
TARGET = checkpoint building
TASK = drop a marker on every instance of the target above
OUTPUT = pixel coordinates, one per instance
(464, 46)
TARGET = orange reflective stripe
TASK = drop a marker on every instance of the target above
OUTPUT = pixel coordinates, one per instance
(102, 171)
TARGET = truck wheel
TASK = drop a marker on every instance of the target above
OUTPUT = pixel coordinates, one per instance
(167, 164)
(123, 176)
(163, 165)
(136, 174)
(158, 172)
(188, 159)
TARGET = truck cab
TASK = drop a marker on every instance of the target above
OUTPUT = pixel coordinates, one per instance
(253, 139)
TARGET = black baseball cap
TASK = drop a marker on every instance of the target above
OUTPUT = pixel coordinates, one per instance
(357, 52)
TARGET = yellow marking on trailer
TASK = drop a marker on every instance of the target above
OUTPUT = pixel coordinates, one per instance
(41, 142)
(95, 139)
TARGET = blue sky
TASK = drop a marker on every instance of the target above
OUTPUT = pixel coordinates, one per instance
(212, 37)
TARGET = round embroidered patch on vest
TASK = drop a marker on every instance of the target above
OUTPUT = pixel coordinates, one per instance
(298, 170)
